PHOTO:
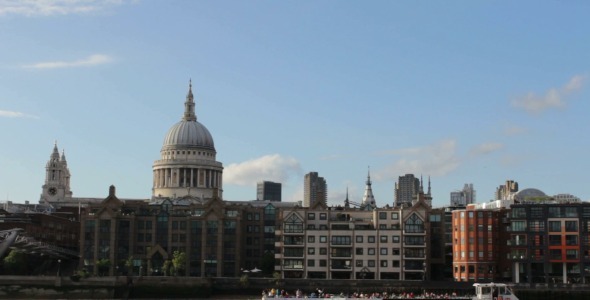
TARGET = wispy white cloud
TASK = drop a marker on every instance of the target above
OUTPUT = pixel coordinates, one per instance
(273, 167)
(437, 159)
(553, 98)
(92, 60)
(31, 8)
(514, 130)
(15, 114)
(513, 161)
(485, 148)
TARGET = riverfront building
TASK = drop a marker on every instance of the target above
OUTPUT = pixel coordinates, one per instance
(549, 242)
(343, 243)
(478, 253)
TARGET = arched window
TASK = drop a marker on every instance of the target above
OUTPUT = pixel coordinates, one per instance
(414, 224)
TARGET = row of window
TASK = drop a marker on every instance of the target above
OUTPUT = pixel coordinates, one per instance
(471, 228)
(298, 264)
(359, 263)
(470, 214)
(346, 240)
(556, 254)
(552, 212)
(346, 252)
(414, 219)
(480, 254)
(539, 226)
(177, 152)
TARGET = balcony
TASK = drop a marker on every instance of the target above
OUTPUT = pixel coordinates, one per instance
(341, 255)
(342, 265)
(516, 243)
(414, 232)
(293, 267)
(414, 256)
(415, 245)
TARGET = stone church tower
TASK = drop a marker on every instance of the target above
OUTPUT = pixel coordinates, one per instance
(57, 179)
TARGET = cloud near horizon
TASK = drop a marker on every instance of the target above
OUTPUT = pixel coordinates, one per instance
(30, 8)
(553, 98)
(437, 159)
(485, 148)
(273, 167)
(92, 60)
(15, 114)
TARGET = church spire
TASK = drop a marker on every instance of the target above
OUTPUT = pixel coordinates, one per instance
(421, 184)
(189, 105)
(368, 198)
(63, 156)
(55, 153)
(428, 184)
(346, 201)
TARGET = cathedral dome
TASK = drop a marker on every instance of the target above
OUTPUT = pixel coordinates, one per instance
(188, 133)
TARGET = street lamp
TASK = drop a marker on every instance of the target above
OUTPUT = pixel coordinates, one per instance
(140, 267)
(424, 274)
(117, 270)
(59, 267)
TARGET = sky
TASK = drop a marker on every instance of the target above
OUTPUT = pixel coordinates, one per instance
(459, 91)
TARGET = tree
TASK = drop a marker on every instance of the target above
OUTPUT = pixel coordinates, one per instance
(276, 276)
(166, 267)
(129, 265)
(179, 262)
(15, 263)
(103, 265)
(244, 281)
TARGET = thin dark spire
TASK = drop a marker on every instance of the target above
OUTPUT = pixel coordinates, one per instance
(346, 201)
(189, 104)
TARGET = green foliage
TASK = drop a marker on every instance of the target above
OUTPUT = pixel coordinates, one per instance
(103, 265)
(15, 263)
(83, 273)
(179, 262)
(129, 263)
(244, 280)
(166, 267)
(276, 277)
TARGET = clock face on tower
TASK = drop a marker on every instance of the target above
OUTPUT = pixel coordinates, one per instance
(52, 191)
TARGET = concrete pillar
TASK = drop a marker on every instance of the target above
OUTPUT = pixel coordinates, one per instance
(564, 272)
(516, 272)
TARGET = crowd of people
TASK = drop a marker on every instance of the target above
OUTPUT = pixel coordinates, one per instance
(272, 293)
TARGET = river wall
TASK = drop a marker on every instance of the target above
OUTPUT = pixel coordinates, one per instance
(122, 287)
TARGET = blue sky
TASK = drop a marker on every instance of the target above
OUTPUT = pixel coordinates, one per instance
(462, 91)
